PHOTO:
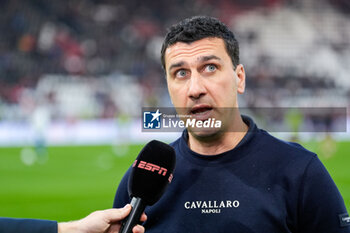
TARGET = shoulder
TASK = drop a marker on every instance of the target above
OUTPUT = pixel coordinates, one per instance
(288, 158)
(284, 148)
(175, 143)
(179, 147)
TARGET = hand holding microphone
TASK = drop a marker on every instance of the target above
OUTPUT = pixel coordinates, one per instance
(107, 221)
(151, 173)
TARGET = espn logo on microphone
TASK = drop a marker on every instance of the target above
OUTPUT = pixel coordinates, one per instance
(153, 168)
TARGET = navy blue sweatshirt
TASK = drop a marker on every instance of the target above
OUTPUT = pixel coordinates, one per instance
(263, 185)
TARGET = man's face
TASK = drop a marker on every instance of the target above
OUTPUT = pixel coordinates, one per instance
(202, 78)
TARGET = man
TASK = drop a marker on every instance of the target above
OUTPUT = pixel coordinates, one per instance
(97, 222)
(237, 178)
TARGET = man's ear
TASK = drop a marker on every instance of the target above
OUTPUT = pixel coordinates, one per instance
(240, 72)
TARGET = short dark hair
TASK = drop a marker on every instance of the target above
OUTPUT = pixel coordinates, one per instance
(197, 28)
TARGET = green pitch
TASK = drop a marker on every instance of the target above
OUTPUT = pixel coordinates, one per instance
(71, 182)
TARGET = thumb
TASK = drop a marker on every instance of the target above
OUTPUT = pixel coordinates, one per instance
(114, 215)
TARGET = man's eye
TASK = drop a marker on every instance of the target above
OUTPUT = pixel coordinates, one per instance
(181, 73)
(210, 68)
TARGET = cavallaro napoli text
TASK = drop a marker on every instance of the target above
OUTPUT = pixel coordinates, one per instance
(211, 207)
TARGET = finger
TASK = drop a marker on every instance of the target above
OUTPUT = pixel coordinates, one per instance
(114, 215)
(143, 217)
(114, 228)
(138, 229)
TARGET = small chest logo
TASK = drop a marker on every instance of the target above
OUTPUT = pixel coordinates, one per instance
(344, 220)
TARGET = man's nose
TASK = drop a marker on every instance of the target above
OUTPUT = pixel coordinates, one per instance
(196, 87)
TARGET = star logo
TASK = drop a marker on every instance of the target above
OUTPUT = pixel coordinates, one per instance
(156, 115)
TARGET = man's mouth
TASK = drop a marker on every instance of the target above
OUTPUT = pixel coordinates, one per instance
(201, 112)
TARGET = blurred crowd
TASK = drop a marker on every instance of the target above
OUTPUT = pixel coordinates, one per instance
(100, 58)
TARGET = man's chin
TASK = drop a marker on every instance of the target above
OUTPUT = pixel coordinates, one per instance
(205, 134)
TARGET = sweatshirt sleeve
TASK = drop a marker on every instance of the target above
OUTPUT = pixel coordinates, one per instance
(321, 206)
(13, 225)
(122, 196)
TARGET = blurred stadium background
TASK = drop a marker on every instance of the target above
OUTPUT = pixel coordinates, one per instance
(75, 74)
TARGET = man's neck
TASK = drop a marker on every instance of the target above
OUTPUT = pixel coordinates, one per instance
(225, 142)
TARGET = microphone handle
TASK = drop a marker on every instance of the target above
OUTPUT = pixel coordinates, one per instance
(138, 206)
